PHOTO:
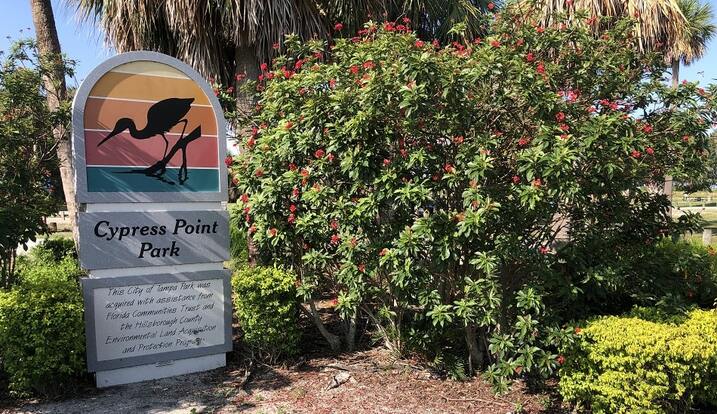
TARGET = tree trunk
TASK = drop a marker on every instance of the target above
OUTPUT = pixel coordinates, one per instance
(333, 340)
(351, 333)
(48, 46)
(246, 67)
(475, 356)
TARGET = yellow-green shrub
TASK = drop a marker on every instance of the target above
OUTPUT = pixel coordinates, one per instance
(42, 340)
(265, 303)
(629, 365)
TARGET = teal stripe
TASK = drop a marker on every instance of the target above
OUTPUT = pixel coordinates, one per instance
(121, 179)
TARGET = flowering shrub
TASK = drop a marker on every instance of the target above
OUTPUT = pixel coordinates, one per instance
(628, 365)
(426, 185)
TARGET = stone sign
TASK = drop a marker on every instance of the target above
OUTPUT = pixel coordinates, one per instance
(148, 142)
(133, 320)
(152, 238)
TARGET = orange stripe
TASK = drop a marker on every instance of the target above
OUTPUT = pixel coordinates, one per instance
(124, 150)
(151, 88)
(103, 114)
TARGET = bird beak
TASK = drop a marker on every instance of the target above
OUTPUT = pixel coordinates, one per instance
(116, 131)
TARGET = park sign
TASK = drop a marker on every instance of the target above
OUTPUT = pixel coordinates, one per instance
(149, 147)
(148, 128)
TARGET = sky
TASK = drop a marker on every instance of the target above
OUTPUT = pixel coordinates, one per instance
(84, 43)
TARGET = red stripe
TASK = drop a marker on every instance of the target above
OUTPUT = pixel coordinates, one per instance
(122, 149)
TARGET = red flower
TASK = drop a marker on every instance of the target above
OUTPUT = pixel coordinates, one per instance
(335, 239)
(458, 140)
(288, 125)
(332, 83)
(383, 252)
(334, 224)
(330, 157)
(259, 172)
(564, 136)
(339, 27)
(292, 166)
(544, 250)
(292, 208)
(291, 219)
(263, 67)
(406, 20)
(649, 150)
(295, 192)
(686, 138)
(578, 330)
(304, 172)
(516, 179)
(647, 128)
(230, 90)
(537, 182)
(250, 142)
(273, 231)
(448, 168)
(334, 302)
(404, 152)
(560, 360)
(540, 29)
(319, 153)
(541, 68)
(386, 162)
(362, 268)
(523, 141)
(245, 198)
(560, 117)
(635, 154)
(229, 160)
(530, 57)
(389, 26)
(591, 109)
(491, 6)
(419, 43)
(252, 229)
(368, 64)
(354, 69)
(235, 180)
(299, 63)
(275, 46)
(564, 127)
(495, 43)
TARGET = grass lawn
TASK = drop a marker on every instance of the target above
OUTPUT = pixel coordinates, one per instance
(696, 199)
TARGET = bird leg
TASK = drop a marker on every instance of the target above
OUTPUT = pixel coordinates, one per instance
(183, 174)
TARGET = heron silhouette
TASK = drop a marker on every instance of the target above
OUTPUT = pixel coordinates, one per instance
(161, 117)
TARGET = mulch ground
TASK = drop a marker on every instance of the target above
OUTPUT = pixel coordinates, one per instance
(370, 380)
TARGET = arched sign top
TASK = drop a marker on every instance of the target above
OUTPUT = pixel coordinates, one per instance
(148, 128)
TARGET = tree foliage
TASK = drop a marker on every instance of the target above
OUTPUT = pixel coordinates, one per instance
(28, 160)
(460, 195)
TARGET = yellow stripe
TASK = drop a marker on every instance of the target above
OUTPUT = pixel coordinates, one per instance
(147, 67)
(143, 87)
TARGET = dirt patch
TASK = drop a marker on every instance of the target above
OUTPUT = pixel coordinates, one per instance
(363, 382)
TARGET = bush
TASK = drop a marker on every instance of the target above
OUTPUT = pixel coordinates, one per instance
(425, 186)
(266, 305)
(627, 364)
(42, 341)
(57, 248)
(669, 273)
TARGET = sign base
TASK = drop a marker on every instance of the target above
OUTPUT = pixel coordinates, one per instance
(148, 372)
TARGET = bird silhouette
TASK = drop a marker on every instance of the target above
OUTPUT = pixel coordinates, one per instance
(161, 117)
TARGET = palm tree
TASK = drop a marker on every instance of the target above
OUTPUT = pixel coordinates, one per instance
(222, 38)
(660, 23)
(700, 30)
(48, 46)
